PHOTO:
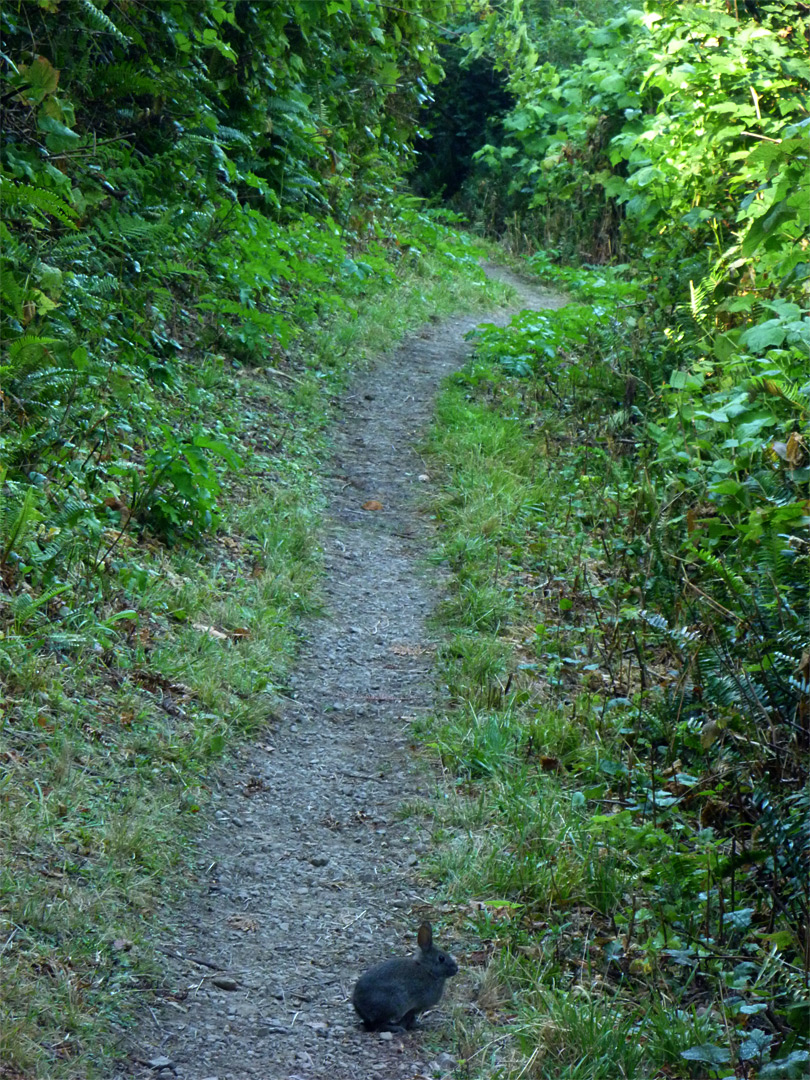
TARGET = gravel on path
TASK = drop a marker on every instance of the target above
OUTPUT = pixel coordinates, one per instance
(305, 873)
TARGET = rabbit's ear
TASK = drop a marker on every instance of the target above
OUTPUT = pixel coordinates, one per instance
(424, 939)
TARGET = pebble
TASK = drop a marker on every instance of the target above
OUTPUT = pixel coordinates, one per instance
(159, 1063)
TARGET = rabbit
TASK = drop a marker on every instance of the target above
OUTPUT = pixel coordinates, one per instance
(390, 996)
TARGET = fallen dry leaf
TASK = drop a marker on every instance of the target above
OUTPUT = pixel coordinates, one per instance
(114, 502)
(210, 630)
(795, 450)
(372, 504)
(408, 650)
(478, 959)
(243, 922)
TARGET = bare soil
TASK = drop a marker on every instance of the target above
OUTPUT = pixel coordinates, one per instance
(306, 874)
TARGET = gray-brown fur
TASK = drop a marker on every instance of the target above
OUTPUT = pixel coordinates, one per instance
(390, 996)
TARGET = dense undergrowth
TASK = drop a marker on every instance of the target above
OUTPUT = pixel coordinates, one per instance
(628, 674)
(670, 134)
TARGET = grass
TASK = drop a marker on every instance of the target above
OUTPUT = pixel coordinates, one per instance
(116, 705)
(588, 891)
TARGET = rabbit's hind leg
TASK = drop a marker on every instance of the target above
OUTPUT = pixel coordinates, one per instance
(408, 1021)
(386, 1025)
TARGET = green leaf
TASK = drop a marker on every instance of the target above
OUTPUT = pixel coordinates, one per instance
(59, 137)
(697, 216)
(221, 448)
(792, 1067)
(708, 1054)
(780, 939)
(755, 1045)
(42, 77)
(766, 153)
(755, 425)
(766, 335)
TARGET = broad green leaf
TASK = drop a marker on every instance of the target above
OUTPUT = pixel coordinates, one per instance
(708, 1053)
(42, 77)
(59, 137)
(766, 335)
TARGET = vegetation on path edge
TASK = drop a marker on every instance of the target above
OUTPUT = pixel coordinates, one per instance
(624, 739)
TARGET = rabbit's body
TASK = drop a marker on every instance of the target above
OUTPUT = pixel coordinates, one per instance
(390, 996)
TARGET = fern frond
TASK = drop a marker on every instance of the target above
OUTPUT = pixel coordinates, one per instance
(288, 106)
(99, 20)
(124, 79)
(11, 292)
(731, 578)
(16, 519)
(30, 197)
(24, 607)
(19, 349)
(779, 388)
(232, 135)
(102, 287)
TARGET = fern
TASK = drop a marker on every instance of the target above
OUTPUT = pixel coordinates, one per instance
(28, 197)
(779, 388)
(26, 352)
(731, 578)
(123, 79)
(25, 607)
(35, 387)
(11, 292)
(16, 518)
(28, 341)
(699, 299)
(99, 20)
(9, 245)
(233, 135)
(102, 287)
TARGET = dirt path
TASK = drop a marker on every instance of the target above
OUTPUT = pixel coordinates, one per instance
(305, 874)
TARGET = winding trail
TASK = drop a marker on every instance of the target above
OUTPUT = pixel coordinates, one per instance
(305, 875)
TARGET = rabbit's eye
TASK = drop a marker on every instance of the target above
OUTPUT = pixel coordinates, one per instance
(441, 959)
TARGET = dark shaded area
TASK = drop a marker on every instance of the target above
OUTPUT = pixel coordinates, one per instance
(465, 114)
